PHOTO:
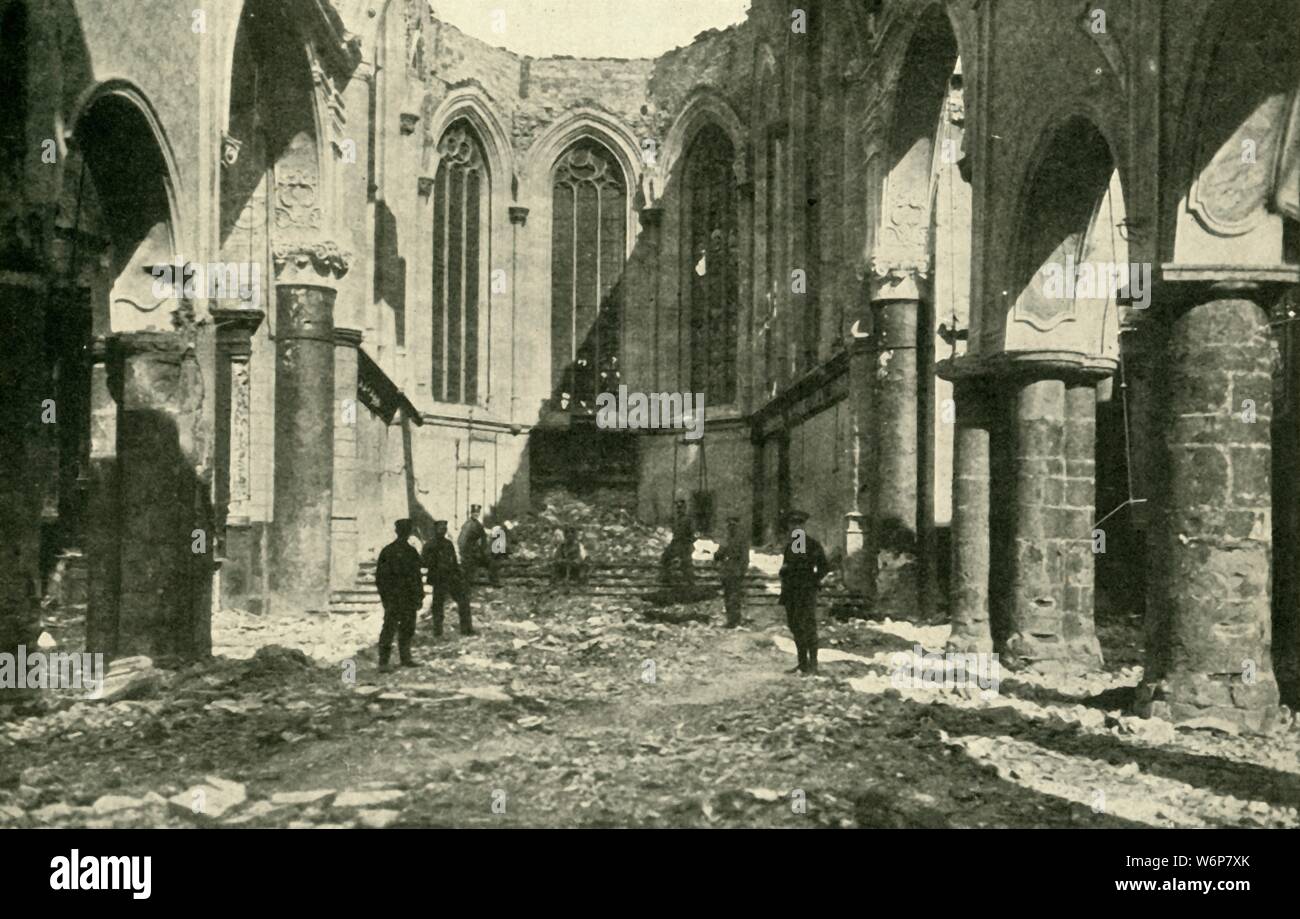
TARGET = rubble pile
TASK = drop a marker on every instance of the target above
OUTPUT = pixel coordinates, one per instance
(575, 710)
(609, 532)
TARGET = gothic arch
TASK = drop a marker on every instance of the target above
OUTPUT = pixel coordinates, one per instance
(475, 106)
(1241, 104)
(592, 124)
(1070, 212)
(926, 64)
(704, 107)
(129, 93)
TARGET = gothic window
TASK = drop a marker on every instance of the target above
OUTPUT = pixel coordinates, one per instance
(776, 275)
(588, 244)
(712, 265)
(460, 228)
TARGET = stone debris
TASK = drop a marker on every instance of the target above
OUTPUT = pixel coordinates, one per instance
(130, 678)
(377, 819)
(298, 798)
(367, 799)
(211, 800)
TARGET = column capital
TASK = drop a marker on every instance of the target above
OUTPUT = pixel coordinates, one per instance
(318, 264)
(652, 216)
(235, 328)
(147, 342)
(350, 338)
(1069, 366)
(518, 215)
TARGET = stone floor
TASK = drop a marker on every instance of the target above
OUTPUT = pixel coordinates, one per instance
(575, 712)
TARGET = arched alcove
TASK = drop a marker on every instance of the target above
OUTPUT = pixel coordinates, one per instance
(711, 263)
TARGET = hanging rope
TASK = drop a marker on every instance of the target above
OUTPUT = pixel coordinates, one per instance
(1123, 377)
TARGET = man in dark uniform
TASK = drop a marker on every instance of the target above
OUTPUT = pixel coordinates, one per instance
(446, 579)
(733, 565)
(803, 565)
(473, 546)
(397, 575)
(677, 554)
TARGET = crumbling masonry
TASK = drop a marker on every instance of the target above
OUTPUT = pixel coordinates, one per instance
(418, 258)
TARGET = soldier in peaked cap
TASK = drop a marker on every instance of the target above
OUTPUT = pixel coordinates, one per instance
(803, 565)
(397, 576)
(446, 579)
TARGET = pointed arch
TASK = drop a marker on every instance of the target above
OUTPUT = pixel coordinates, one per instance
(473, 105)
(461, 253)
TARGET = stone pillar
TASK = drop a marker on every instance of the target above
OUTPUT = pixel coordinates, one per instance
(304, 432)
(1042, 636)
(1209, 629)
(1078, 622)
(103, 509)
(165, 528)
(894, 495)
(970, 520)
(23, 376)
(859, 559)
(343, 526)
(241, 576)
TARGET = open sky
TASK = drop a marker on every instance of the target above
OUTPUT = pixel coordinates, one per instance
(589, 28)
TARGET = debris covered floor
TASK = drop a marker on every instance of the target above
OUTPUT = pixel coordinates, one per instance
(577, 711)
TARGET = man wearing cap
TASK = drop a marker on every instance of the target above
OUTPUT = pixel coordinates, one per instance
(732, 559)
(446, 579)
(803, 565)
(473, 546)
(397, 576)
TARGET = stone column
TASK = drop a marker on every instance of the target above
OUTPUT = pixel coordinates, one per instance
(970, 520)
(859, 560)
(1042, 635)
(23, 376)
(343, 526)
(164, 528)
(304, 429)
(1208, 652)
(103, 511)
(1078, 627)
(894, 495)
(241, 586)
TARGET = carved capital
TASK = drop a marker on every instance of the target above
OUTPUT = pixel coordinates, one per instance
(426, 186)
(518, 215)
(235, 328)
(408, 122)
(309, 263)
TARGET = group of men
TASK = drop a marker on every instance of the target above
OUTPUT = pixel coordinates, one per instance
(803, 567)
(401, 588)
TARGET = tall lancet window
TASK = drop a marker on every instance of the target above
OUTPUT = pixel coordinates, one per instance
(588, 246)
(712, 264)
(460, 244)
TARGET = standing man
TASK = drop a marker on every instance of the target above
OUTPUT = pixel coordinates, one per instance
(678, 552)
(733, 565)
(446, 579)
(397, 576)
(473, 546)
(803, 565)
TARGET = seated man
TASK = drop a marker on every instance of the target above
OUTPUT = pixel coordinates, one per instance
(569, 565)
